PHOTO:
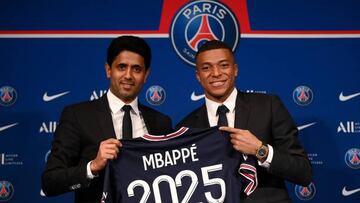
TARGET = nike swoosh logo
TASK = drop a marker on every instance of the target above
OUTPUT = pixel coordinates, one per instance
(47, 98)
(348, 97)
(42, 193)
(305, 126)
(349, 192)
(196, 97)
(7, 126)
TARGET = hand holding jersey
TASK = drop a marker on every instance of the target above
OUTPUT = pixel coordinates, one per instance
(108, 150)
(243, 140)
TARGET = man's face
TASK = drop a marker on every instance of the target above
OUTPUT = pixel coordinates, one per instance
(127, 75)
(216, 71)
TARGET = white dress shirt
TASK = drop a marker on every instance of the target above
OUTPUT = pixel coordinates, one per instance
(230, 103)
(117, 114)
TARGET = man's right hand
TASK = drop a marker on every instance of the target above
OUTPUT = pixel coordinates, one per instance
(108, 150)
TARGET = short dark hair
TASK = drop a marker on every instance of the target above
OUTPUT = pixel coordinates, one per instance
(129, 43)
(213, 44)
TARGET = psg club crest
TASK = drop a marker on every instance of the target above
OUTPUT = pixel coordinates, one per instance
(8, 96)
(155, 95)
(305, 193)
(201, 21)
(352, 158)
(6, 190)
(303, 95)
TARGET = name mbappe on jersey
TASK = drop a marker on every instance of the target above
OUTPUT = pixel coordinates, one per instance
(189, 165)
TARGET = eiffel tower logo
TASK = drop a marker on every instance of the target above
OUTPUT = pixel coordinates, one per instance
(355, 159)
(204, 33)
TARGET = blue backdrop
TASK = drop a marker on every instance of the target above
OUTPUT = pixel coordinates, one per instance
(307, 52)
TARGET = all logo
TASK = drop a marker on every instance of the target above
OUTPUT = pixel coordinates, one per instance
(305, 193)
(97, 94)
(6, 190)
(8, 96)
(155, 95)
(352, 158)
(303, 95)
(201, 21)
(48, 127)
(349, 127)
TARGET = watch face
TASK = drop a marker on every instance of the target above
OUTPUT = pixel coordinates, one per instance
(262, 152)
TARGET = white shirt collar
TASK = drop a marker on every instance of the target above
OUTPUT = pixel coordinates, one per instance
(116, 104)
(230, 103)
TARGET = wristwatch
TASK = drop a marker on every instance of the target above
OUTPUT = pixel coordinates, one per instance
(262, 152)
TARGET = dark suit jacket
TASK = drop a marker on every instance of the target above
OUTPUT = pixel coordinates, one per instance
(267, 118)
(81, 129)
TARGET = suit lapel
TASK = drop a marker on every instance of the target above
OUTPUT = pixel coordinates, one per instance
(242, 111)
(103, 115)
(149, 119)
(202, 119)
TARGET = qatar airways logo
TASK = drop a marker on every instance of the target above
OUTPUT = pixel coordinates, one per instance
(201, 21)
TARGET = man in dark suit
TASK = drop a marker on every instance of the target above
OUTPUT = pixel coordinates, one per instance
(88, 133)
(259, 125)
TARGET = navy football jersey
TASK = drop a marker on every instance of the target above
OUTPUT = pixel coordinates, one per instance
(189, 165)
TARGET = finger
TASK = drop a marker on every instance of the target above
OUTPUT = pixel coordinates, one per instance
(235, 142)
(111, 141)
(115, 153)
(236, 137)
(110, 154)
(237, 148)
(109, 146)
(111, 150)
(230, 129)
